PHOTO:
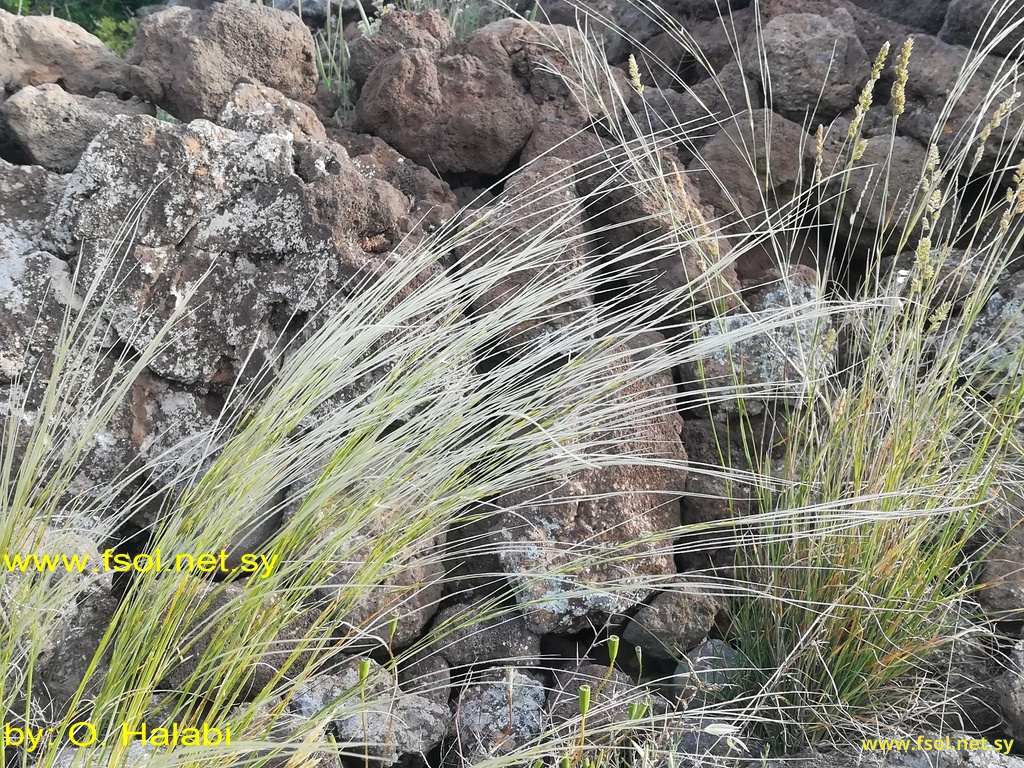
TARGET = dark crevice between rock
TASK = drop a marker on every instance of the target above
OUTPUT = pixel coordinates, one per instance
(470, 180)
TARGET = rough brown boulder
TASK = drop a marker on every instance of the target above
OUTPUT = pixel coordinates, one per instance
(187, 61)
(44, 49)
(453, 114)
(933, 72)
(399, 30)
(558, 534)
(817, 64)
(472, 107)
(751, 167)
(984, 22)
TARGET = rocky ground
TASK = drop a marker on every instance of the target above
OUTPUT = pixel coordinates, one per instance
(254, 168)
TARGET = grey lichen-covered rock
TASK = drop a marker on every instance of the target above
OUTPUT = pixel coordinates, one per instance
(173, 433)
(957, 278)
(188, 61)
(45, 49)
(559, 534)
(817, 64)
(990, 351)
(466, 637)
(778, 363)
(272, 727)
(27, 196)
(53, 127)
(374, 715)
(1009, 688)
(495, 716)
(35, 293)
(256, 108)
(258, 226)
(674, 622)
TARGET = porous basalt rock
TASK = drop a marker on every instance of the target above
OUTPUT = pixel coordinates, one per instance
(545, 60)
(257, 108)
(651, 217)
(374, 716)
(455, 114)
(977, 23)
(45, 49)
(208, 602)
(53, 127)
(549, 528)
(551, 240)
(27, 196)
(256, 226)
(817, 64)
(495, 716)
(777, 364)
(399, 30)
(472, 107)
(674, 622)
(400, 585)
(927, 15)
(932, 74)
(750, 168)
(886, 183)
(212, 49)
(466, 638)
(431, 200)
(611, 697)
